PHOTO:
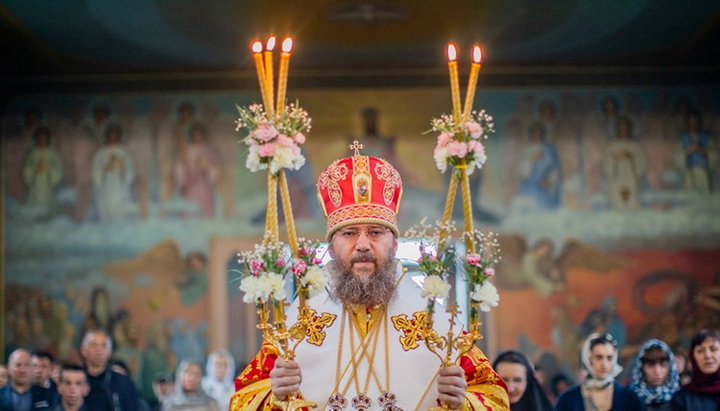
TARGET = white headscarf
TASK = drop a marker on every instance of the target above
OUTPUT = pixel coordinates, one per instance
(592, 382)
(220, 390)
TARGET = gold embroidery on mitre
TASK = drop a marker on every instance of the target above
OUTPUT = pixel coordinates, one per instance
(362, 211)
(316, 325)
(386, 172)
(329, 178)
(412, 328)
(362, 181)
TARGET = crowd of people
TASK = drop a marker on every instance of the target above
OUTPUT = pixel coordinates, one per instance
(34, 381)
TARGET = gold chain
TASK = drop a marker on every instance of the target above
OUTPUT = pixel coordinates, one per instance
(373, 334)
(339, 352)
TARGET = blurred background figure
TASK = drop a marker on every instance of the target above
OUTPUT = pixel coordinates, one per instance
(72, 388)
(654, 375)
(696, 155)
(43, 363)
(42, 172)
(4, 377)
(559, 384)
(189, 395)
(703, 392)
(219, 375)
(683, 364)
(20, 394)
(524, 390)
(163, 386)
(599, 391)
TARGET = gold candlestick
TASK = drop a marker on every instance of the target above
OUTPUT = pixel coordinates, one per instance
(269, 46)
(454, 81)
(472, 83)
(283, 74)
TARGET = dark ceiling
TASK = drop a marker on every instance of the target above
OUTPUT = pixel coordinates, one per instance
(364, 42)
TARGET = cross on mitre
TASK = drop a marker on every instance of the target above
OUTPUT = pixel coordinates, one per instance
(356, 146)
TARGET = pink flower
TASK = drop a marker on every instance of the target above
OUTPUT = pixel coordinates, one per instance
(443, 139)
(317, 261)
(256, 267)
(474, 129)
(473, 259)
(432, 258)
(489, 271)
(457, 148)
(266, 150)
(265, 132)
(299, 138)
(304, 251)
(299, 267)
(280, 262)
(284, 140)
(476, 146)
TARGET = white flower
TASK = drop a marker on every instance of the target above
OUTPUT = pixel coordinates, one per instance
(274, 284)
(435, 287)
(253, 160)
(286, 157)
(314, 279)
(487, 295)
(262, 287)
(251, 287)
(440, 155)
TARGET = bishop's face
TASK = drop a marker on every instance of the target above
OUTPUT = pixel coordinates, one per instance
(363, 267)
(363, 248)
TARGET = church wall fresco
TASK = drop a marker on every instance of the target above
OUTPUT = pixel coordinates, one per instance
(606, 205)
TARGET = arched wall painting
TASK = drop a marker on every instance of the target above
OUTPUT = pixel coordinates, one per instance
(126, 211)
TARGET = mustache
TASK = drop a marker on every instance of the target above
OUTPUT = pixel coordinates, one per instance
(363, 258)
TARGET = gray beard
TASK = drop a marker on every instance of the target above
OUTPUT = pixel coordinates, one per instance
(378, 289)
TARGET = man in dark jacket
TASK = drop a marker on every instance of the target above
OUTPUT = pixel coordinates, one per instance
(20, 394)
(42, 366)
(109, 390)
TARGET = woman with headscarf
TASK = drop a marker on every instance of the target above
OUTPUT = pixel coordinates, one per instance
(219, 377)
(599, 391)
(523, 388)
(654, 375)
(188, 394)
(703, 391)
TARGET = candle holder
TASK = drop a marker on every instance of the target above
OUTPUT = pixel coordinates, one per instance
(263, 284)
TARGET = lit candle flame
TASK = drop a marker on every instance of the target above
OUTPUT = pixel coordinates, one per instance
(270, 44)
(257, 47)
(452, 52)
(477, 54)
(287, 44)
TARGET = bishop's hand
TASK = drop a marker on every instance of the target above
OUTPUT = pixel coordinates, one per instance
(285, 378)
(451, 386)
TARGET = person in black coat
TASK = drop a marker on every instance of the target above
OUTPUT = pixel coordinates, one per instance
(703, 391)
(524, 390)
(109, 390)
(20, 394)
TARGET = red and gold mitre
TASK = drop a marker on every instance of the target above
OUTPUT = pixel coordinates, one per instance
(359, 190)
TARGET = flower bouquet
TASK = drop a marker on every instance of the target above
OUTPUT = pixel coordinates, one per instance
(274, 142)
(461, 144)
